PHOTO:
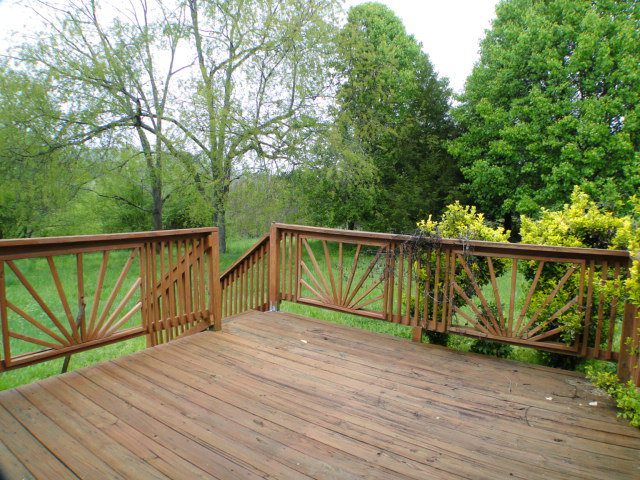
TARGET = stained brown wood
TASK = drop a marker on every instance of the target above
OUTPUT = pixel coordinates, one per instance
(275, 394)
(171, 301)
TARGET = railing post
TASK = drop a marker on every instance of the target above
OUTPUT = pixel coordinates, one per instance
(274, 268)
(215, 289)
(416, 333)
(4, 321)
(629, 360)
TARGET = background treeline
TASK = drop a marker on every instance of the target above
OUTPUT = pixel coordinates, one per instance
(170, 114)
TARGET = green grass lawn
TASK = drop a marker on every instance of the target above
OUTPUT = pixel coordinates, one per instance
(37, 272)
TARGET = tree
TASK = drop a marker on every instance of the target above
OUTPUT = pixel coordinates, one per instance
(261, 69)
(116, 72)
(35, 181)
(552, 103)
(393, 106)
(339, 184)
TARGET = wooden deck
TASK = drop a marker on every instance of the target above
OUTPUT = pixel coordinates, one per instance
(281, 396)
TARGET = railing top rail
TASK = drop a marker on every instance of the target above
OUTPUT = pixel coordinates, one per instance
(105, 237)
(33, 247)
(522, 249)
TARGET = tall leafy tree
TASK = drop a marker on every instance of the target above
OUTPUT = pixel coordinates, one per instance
(36, 182)
(116, 69)
(553, 103)
(393, 106)
(261, 69)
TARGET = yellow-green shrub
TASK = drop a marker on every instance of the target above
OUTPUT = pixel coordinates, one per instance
(461, 222)
(581, 223)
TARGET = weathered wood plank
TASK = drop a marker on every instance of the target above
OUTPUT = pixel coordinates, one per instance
(254, 400)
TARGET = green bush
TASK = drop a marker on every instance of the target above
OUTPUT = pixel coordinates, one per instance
(495, 349)
(633, 282)
(465, 223)
(626, 395)
(581, 223)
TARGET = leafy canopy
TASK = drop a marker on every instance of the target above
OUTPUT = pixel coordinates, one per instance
(392, 113)
(551, 104)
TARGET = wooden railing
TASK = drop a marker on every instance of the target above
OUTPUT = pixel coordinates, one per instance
(244, 284)
(564, 300)
(62, 295)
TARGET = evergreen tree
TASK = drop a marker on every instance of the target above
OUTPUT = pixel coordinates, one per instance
(393, 114)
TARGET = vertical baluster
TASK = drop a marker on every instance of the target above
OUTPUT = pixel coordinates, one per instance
(604, 274)
(6, 347)
(512, 297)
(589, 306)
(450, 276)
(144, 313)
(436, 288)
(446, 282)
(407, 313)
(612, 314)
(164, 316)
(155, 310)
(188, 290)
(257, 277)
(153, 319)
(238, 284)
(291, 261)
(427, 285)
(298, 267)
(282, 265)
(416, 305)
(192, 273)
(180, 283)
(340, 272)
(247, 275)
(245, 280)
(256, 273)
(265, 276)
(203, 278)
(81, 318)
(197, 280)
(391, 289)
(171, 289)
(398, 316)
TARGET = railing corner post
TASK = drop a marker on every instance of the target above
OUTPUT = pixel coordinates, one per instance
(416, 333)
(274, 268)
(629, 360)
(215, 300)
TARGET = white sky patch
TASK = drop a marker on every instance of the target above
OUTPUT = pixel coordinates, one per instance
(449, 30)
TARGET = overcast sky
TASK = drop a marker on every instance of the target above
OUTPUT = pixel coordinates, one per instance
(450, 30)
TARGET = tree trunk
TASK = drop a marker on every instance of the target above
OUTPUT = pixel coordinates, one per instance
(220, 221)
(155, 175)
(156, 193)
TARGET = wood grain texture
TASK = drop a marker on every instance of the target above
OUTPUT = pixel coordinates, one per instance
(254, 401)
(166, 285)
(447, 285)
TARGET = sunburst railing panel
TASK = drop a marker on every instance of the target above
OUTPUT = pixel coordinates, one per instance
(343, 274)
(62, 295)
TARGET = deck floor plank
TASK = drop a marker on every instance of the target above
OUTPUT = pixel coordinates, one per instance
(282, 396)
(396, 408)
(487, 400)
